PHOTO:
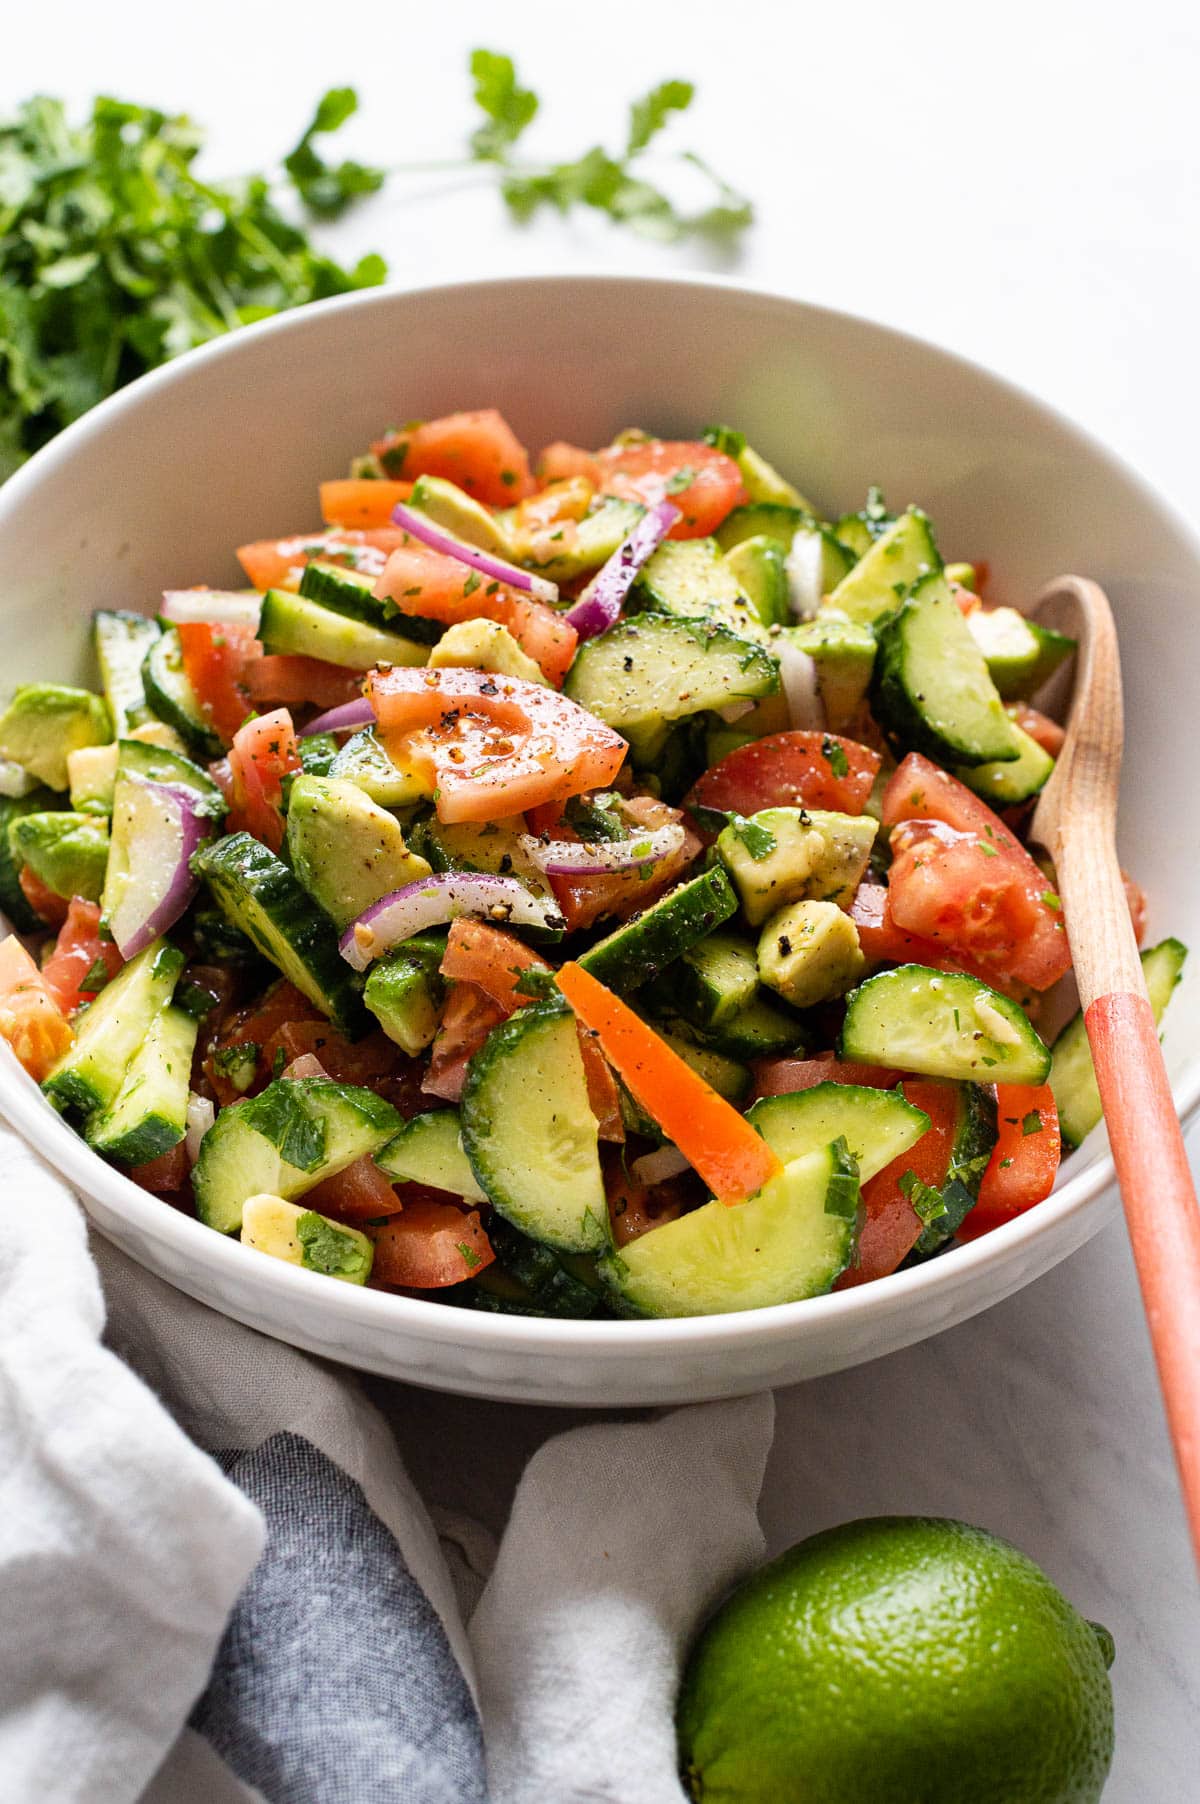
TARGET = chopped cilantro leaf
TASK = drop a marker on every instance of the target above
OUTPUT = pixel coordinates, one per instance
(758, 840)
(927, 1202)
(835, 756)
(1031, 1123)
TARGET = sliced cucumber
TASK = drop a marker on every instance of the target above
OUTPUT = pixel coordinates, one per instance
(759, 570)
(12, 897)
(291, 624)
(592, 542)
(155, 764)
(713, 980)
(639, 949)
(1007, 785)
(349, 593)
(148, 1115)
(657, 669)
(887, 569)
(690, 578)
(537, 1279)
(530, 1134)
(775, 521)
(1020, 654)
(974, 1138)
(405, 991)
(854, 534)
(791, 1240)
(729, 1077)
(364, 760)
(930, 689)
(257, 893)
(90, 1073)
(1072, 1075)
(284, 1141)
(429, 1150)
(877, 1125)
(122, 640)
(759, 1031)
(942, 1024)
(170, 695)
(302, 1237)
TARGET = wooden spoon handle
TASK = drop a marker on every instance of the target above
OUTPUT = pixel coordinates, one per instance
(1160, 1209)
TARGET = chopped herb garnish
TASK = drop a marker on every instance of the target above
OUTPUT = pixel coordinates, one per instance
(726, 439)
(472, 583)
(681, 479)
(95, 979)
(835, 756)
(928, 1203)
(1051, 899)
(469, 1257)
(758, 840)
(1032, 1123)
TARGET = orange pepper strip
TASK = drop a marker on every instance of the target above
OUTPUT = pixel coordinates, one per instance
(724, 1148)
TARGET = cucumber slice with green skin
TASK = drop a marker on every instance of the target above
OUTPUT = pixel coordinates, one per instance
(595, 538)
(658, 668)
(1020, 654)
(791, 1240)
(877, 1125)
(887, 570)
(974, 1138)
(855, 535)
(429, 1150)
(405, 991)
(45, 722)
(1007, 785)
(548, 1287)
(292, 625)
(364, 760)
(122, 640)
(1072, 1075)
(761, 1030)
(148, 1115)
(302, 1237)
(758, 568)
(844, 654)
(257, 894)
(930, 689)
(172, 698)
(154, 764)
(530, 1134)
(348, 593)
(727, 1076)
(712, 980)
(317, 753)
(69, 852)
(109, 1033)
(284, 1141)
(690, 578)
(942, 1024)
(639, 949)
(775, 521)
(12, 897)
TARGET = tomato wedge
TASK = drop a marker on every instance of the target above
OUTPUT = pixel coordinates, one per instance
(361, 501)
(264, 751)
(165, 1175)
(434, 586)
(490, 958)
(215, 659)
(790, 770)
(884, 942)
(491, 746)
(430, 1244)
(292, 681)
(1024, 1161)
(467, 1019)
(892, 1226)
(30, 1019)
(45, 902)
(359, 1193)
(781, 1077)
(561, 461)
(478, 450)
(279, 563)
(704, 484)
(973, 888)
(76, 953)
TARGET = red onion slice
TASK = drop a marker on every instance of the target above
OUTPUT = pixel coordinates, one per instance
(443, 897)
(422, 527)
(600, 605)
(798, 674)
(149, 883)
(598, 858)
(344, 719)
(221, 607)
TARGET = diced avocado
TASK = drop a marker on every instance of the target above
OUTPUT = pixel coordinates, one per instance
(844, 654)
(809, 953)
(484, 645)
(302, 1237)
(764, 483)
(91, 776)
(458, 513)
(45, 721)
(1020, 654)
(581, 545)
(69, 852)
(364, 760)
(758, 568)
(689, 577)
(784, 855)
(345, 849)
(405, 991)
(491, 846)
(12, 897)
(885, 573)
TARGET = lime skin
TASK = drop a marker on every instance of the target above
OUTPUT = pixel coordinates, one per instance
(897, 1660)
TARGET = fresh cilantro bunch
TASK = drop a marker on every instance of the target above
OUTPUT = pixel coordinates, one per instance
(115, 256)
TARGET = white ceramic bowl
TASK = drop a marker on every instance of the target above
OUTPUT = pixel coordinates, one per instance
(153, 490)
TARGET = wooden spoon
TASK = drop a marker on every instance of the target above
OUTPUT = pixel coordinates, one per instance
(1076, 822)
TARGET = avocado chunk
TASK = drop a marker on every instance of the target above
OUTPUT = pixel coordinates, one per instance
(69, 852)
(764, 483)
(809, 953)
(45, 721)
(92, 777)
(484, 645)
(364, 760)
(345, 849)
(843, 651)
(458, 513)
(405, 991)
(785, 855)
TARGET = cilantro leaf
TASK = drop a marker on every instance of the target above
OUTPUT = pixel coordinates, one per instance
(927, 1202)
(648, 115)
(327, 189)
(508, 106)
(330, 1249)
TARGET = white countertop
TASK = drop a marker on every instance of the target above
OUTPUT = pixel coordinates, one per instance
(1021, 187)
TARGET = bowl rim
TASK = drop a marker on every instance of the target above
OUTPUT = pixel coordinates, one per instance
(22, 1103)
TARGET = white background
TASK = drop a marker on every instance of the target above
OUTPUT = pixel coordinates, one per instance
(1018, 182)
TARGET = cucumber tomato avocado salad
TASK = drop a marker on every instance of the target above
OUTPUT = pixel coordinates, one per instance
(597, 891)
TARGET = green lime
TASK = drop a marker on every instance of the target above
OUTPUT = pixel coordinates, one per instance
(898, 1660)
